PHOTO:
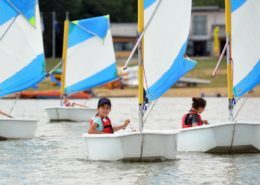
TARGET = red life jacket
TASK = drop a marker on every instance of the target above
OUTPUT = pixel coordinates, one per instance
(107, 126)
(68, 104)
(187, 123)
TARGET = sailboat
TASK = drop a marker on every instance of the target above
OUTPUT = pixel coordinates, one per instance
(22, 59)
(243, 69)
(88, 61)
(162, 45)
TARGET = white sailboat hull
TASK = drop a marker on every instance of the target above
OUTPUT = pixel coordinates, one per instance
(217, 138)
(157, 145)
(70, 113)
(11, 128)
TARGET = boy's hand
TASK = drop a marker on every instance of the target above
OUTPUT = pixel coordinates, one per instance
(126, 122)
(206, 122)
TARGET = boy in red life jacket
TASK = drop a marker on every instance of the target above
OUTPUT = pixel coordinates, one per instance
(101, 123)
(193, 118)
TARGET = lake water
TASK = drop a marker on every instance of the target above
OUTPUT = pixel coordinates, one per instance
(57, 155)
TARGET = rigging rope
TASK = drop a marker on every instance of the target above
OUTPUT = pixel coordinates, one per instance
(234, 127)
(18, 96)
(132, 54)
(8, 28)
(147, 115)
(243, 103)
(141, 35)
(51, 71)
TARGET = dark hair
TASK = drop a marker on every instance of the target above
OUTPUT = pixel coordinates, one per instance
(198, 102)
(104, 101)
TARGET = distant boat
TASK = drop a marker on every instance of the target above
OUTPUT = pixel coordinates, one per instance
(51, 94)
(88, 61)
(130, 78)
(22, 59)
(243, 65)
(162, 49)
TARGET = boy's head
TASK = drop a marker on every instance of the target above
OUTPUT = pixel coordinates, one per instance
(104, 107)
(199, 104)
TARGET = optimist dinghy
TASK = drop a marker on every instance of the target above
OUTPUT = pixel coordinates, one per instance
(161, 56)
(22, 59)
(88, 61)
(243, 69)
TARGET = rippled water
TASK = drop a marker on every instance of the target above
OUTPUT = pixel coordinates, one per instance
(57, 155)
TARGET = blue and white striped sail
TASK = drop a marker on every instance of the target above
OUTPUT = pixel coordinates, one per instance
(90, 57)
(21, 48)
(245, 25)
(165, 44)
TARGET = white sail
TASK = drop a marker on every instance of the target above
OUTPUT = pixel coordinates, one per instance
(90, 57)
(245, 28)
(165, 44)
(21, 46)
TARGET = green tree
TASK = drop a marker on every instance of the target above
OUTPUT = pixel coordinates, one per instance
(220, 3)
(119, 10)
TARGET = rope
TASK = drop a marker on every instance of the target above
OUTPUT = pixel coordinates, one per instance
(234, 127)
(8, 28)
(145, 80)
(131, 56)
(233, 135)
(18, 96)
(51, 71)
(220, 59)
(142, 146)
(147, 115)
(141, 35)
(243, 103)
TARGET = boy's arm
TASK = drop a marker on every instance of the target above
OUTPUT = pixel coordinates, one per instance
(80, 105)
(123, 126)
(93, 129)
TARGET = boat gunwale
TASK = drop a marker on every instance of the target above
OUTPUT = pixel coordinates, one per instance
(252, 123)
(70, 108)
(125, 134)
(18, 119)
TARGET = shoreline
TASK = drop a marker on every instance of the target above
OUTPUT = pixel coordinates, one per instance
(174, 92)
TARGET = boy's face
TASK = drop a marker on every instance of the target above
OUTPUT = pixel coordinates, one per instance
(104, 110)
(200, 110)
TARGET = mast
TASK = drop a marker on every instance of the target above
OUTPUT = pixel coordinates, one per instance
(140, 62)
(64, 55)
(229, 59)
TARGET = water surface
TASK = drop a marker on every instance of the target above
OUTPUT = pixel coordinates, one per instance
(57, 155)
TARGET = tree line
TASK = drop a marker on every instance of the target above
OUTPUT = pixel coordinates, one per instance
(119, 11)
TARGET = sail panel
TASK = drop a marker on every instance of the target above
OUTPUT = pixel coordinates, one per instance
(165, 44)
(21, 53)
(85, 29)
(91, 61)
(245, 45)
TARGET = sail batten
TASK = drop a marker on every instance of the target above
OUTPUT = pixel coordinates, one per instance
(90, 55)
(165, 44)
(21, 49)
(245, 45)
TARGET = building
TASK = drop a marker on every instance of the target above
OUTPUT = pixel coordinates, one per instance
(124, 37)
(204, 20)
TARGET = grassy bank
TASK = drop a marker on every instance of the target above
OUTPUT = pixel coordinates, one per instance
(203, 70)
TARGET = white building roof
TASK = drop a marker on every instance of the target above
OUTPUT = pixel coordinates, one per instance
(124, 29)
